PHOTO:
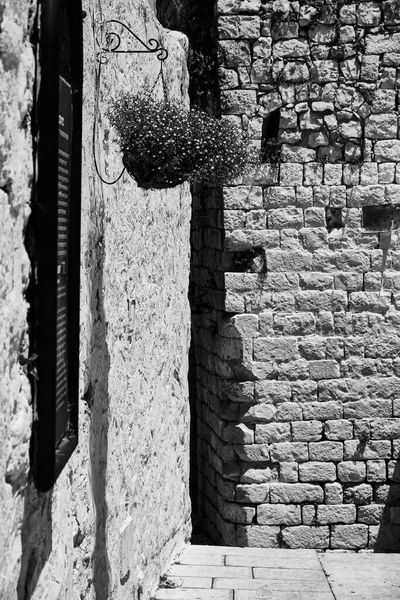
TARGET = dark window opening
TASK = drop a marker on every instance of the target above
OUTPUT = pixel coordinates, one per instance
(333, 218)
(381, 218)
(270, 147)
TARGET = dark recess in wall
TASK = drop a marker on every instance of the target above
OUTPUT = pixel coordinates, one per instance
(197, 21)
(381, 218)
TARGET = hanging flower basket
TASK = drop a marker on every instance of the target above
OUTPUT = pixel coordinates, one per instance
(165, 144)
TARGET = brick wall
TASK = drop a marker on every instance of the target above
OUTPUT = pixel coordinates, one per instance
(296, 290)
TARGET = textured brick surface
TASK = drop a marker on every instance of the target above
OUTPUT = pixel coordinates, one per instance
(319, 290)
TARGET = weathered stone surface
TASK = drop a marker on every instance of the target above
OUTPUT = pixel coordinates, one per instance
(278, 514)
(387, 151)
(317, 471)
(354, 471)
(234, 54)
(255, 536)
(295, 493)
(325, 355)
(306, 537)
(235, 102)
(349, 537)
(133, 373)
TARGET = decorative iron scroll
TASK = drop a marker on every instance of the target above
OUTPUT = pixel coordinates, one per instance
(113, 42)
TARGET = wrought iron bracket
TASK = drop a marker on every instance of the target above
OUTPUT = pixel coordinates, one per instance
(113, 40)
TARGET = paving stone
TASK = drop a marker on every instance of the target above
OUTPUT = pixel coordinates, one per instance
(192, 594)
(282, 584)
(192, 582)
(208, 571)
(201, 559)
(268, 594)
(289, 574)
(301, 560)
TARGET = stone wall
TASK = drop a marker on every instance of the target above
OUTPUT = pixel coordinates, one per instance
(120, 510)
(16, 76)
(296, 282)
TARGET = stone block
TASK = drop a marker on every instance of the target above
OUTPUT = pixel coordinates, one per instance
(306, 431)
(237, 391)
(289, 451)
(340, 429)
(278, 514)
(228, 7)
(257, 452)
(261, 413)
(291, 49)
(324, 369)
(234, 53)
(379, 43)
(262, 48)
(288, 411)
(387, 151)
(238, 434)
(278, 197)
(297, 154)
(317, 471)
(370, 68)
(368, 14)
(326, 451)
(370, 515)
(324, 71)
(258, 536)
(236, 513)
(385, 429)
(296, 324)
(333, 493)
(383, 101)
(277, 350)
(238, 102)
(258, 475)
(304, 536)
(373, 408)
(285, 30)
(322, 411)
(311, 300)
(235, 27)
(349, 537)
(358, 494)
(367, 195)
(376, 471)
(272, 433)
(304, 196)
(315, 217)
(289, 217)
(351, 471)
(381, 126)
(288, 260)
(393, 468)
(272, 391)
(334, 513)
(253, 494)
(242, 197)
(356, 450)
(288, 472)
(295, 493)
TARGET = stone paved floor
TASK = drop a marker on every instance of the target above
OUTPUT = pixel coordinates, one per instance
(225, 573)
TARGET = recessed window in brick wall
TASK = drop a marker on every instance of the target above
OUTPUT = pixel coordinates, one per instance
(270, 148)
(333, 218)
(381, 218)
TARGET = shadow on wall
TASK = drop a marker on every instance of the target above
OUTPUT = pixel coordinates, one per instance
(388, 538)
(97, 398)
(36, 539)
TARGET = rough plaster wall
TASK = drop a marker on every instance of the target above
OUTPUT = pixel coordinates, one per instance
(120, 509)
(298, 347)
(16, 78)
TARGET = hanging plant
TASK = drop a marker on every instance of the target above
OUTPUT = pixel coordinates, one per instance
(165, 144)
